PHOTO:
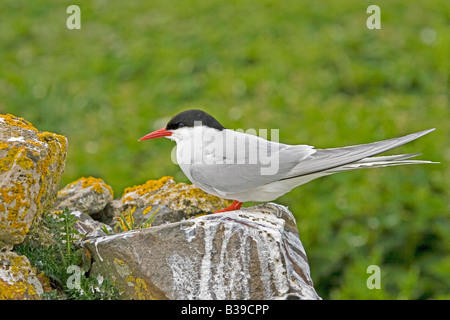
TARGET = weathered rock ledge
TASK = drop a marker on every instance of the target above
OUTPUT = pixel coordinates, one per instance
(253, 253)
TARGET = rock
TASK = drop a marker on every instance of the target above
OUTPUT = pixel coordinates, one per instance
(88, 195)
(31, 164)
(111, 211)
(18, 278)
(252, 253)
(163, 215)
(164, 201)
(175, 196)
(88, 227)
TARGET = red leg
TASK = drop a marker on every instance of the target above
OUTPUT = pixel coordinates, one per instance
(236, 205)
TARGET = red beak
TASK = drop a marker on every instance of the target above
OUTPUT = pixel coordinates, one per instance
(156, 134)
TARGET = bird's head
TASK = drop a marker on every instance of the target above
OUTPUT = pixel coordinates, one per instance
(183, 125)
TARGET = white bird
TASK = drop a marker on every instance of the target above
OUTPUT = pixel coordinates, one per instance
(244, 167)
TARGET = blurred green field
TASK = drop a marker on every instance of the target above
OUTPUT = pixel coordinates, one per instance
(309, 68)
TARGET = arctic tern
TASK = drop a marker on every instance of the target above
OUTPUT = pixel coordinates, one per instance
(244, 167)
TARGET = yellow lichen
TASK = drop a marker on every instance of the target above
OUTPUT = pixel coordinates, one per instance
(122, 268)
(15, 286)
(7, 161)
(17, 122)
(149, 186)
(17, 290)
(17, 207)
(130, 279)
(34, 143)
(62, 193)
(13, 198)
(141, 290)
(176, 196)
(147, 210)
(55, 159)
(18, 198)
(118, 261)
(127, 198)
(16, 155)
(19, 226)
(140, 286)
(96, 184)
(25, 163)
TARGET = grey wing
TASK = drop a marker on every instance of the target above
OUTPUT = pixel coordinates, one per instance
(243, 171)
(325, 159)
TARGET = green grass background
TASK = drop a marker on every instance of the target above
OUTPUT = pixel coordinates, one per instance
(309, 68)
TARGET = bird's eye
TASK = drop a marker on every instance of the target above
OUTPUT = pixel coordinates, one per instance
(181, 125)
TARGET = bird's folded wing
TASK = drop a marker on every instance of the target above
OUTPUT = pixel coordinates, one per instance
(252, 162)
(239, 172)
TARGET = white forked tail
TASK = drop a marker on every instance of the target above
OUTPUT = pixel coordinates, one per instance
(378, 162)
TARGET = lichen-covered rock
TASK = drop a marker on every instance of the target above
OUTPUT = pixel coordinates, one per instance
(164, 201)
(31, 164)
(18, 278)
(175, 196)
(88, 195)
(252, 253)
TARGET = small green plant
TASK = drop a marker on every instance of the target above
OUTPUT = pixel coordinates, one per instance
(51, 249)
(127, 221)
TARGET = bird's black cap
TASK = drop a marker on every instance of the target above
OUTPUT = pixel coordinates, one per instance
(189, 117)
